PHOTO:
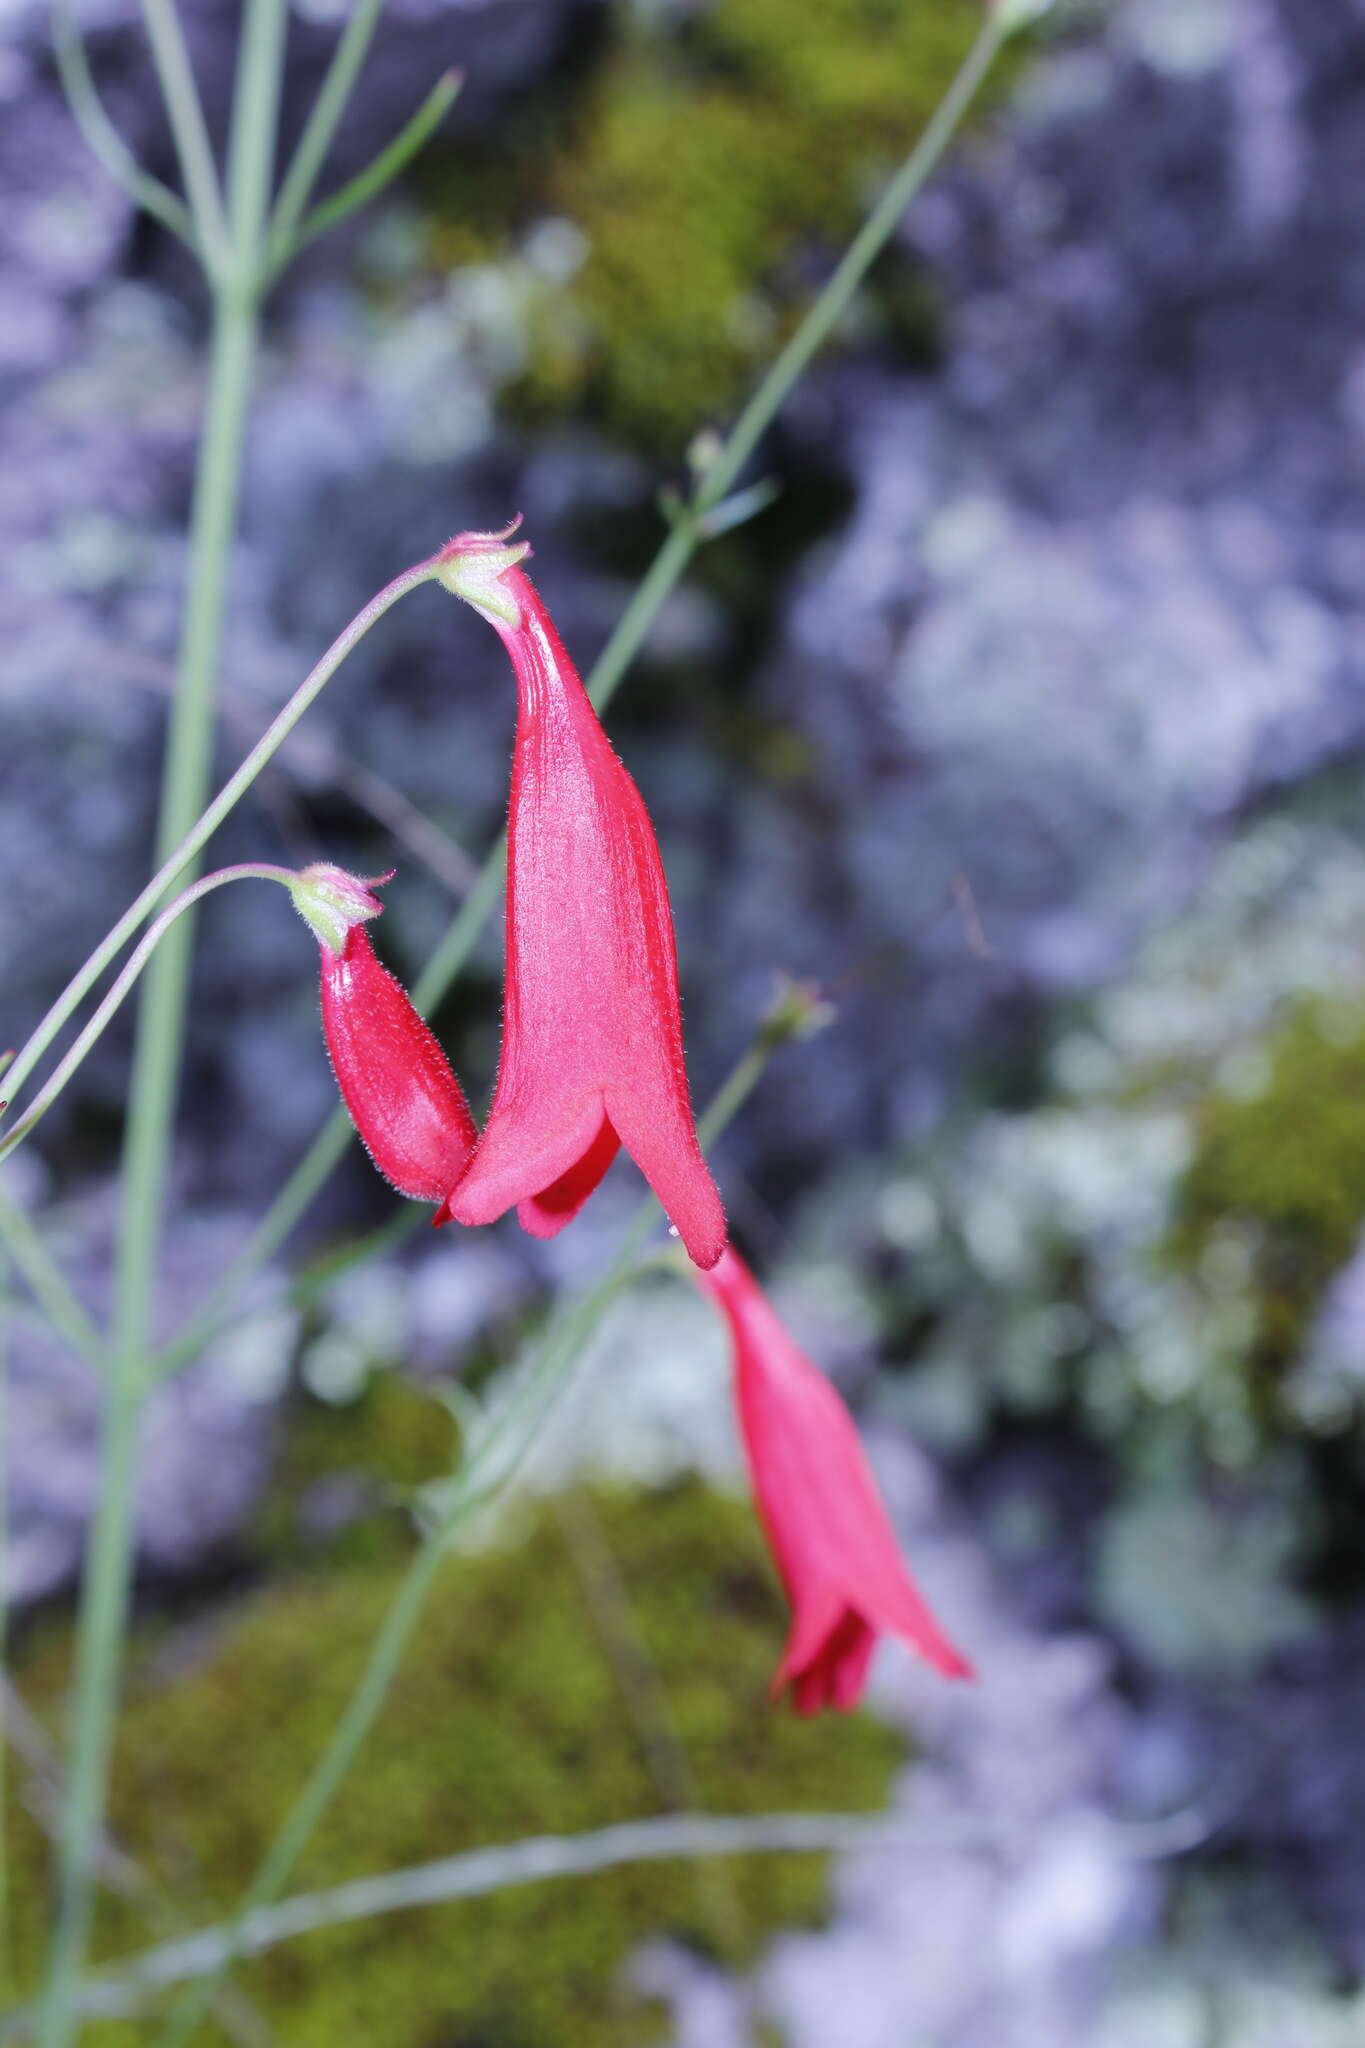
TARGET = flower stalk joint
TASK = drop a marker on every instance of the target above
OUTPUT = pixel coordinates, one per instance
(331, 902)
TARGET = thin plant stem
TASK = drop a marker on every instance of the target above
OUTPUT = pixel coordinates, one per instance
(325, 1154)
(390, 163)
(319, 130)
(233, 258)
(645, 1698)
(104, 1599)
(27, 1310)
(287, 1210)
(137, 960)
(492, 1464)
(204, 828)
(188, 128)
(328, 1775)
(479, 1873)
(306, 1287)
(328, 1149)
(34, 1263)
(103, 139)
(537, 1859)
(30, 1745)
(251, 141)
(875, 232)
(686, 534)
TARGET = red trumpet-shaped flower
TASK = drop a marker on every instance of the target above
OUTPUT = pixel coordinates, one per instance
(592, 1054)
(396, 1082)
(819, 1504)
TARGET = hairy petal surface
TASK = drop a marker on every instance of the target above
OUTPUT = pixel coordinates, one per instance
(830, 1536)
(592, 1051)
(395, 1081)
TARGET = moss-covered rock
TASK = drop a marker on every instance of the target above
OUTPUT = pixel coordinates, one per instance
(508, 1719)
(708, 168)
(1281, 1163)
(347, 1469)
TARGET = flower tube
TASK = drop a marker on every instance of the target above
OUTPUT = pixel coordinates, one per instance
(396, 1082)
(592, 1052)
(828, 1531)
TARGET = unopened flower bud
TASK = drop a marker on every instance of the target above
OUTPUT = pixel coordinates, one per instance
(396, 1082)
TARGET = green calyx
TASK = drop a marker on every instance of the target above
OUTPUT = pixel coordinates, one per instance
(472, 567)
(331, 902)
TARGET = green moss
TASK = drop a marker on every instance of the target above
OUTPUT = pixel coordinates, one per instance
(1283, 1166)
(346, 1469)
(700, 187)
(508, 1719)
(712, 171)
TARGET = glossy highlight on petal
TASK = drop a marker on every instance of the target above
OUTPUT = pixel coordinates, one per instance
(829, 1533)
(592, 1052)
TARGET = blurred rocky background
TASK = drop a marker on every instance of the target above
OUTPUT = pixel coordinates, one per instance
(1028, 720)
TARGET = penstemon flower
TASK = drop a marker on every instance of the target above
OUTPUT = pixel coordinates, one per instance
(828, 1530)
(592, 1053)
(396, 1082)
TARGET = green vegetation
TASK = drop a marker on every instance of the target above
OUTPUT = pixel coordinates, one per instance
(1284, 1167)
(346, 1472)
(710, 171)
(509, 1719)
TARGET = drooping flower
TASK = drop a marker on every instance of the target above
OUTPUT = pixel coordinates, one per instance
(592, 1053)
(828, 1530)
(395, 1080)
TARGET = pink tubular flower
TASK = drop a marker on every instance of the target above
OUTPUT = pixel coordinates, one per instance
(396, 1082)
(592, 1054)
(819, 1504)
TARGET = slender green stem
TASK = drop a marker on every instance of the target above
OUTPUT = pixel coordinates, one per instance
(734, 1092)
(289, 1207)
(203, 830)
(875, 232)
(156, 1066)
(186, 113)
(494, 1460)
(104, 1600)
(320, 128)
(232, 244)
(390, 163)
(251, 143)
(327, 1777)
(103, 139)
(313, 1171)
(478, 1873)
(32, 1260)
(137, 960)
(107, 1577)
(28, 1311)
(305, 1288)
(680, 544)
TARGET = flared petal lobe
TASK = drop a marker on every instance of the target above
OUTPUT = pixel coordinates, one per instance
(828, 1530)
(592, 1051)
